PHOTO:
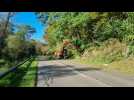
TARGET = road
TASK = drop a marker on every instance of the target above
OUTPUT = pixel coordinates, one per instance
(58, 73)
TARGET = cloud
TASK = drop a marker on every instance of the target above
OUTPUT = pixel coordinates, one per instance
(3, 15)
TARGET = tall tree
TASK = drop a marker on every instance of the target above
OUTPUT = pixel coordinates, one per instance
(5, 29)
(25, 31)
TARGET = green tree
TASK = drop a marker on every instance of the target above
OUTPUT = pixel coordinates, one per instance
(6, 27)
(86, 29)
(25, 31)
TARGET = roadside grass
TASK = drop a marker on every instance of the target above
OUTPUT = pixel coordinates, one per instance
(112, 55)
(29, 80)
(24, 76)
(125, 66)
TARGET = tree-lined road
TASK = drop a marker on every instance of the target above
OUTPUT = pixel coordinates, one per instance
(59, 73)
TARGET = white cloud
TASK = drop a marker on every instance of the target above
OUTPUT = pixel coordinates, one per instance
(3, 15)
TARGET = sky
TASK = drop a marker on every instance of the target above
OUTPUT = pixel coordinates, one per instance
(29, 18)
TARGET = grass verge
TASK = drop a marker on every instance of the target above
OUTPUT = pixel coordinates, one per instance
(24, 76)
(125, 66)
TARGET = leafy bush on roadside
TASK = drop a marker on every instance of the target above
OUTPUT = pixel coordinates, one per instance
(2, 61)
(110, 51)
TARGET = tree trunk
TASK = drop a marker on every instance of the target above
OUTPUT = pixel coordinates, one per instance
(6, 24)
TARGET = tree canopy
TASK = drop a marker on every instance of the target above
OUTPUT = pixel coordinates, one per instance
(86, 29)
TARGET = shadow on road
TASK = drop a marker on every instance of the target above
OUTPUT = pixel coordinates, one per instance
(52, 71)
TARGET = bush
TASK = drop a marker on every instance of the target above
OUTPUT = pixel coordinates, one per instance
(73, 53)
(2, 61)
(130, 51)
(110, 51)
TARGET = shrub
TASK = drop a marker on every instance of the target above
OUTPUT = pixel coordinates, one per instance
(110, 51)
(2, 61)
(130, 50)
(72, 53)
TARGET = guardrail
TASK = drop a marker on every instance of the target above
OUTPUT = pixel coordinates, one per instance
(13, 68)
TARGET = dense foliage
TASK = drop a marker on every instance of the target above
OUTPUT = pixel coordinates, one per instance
(14, 45)
(109, 34)
(88, 29)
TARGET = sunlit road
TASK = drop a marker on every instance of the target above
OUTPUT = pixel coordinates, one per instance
(57, 73)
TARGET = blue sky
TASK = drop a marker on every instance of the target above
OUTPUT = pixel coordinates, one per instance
(29, 18)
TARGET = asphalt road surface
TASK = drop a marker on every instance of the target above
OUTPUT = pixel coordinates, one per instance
(58, 73)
